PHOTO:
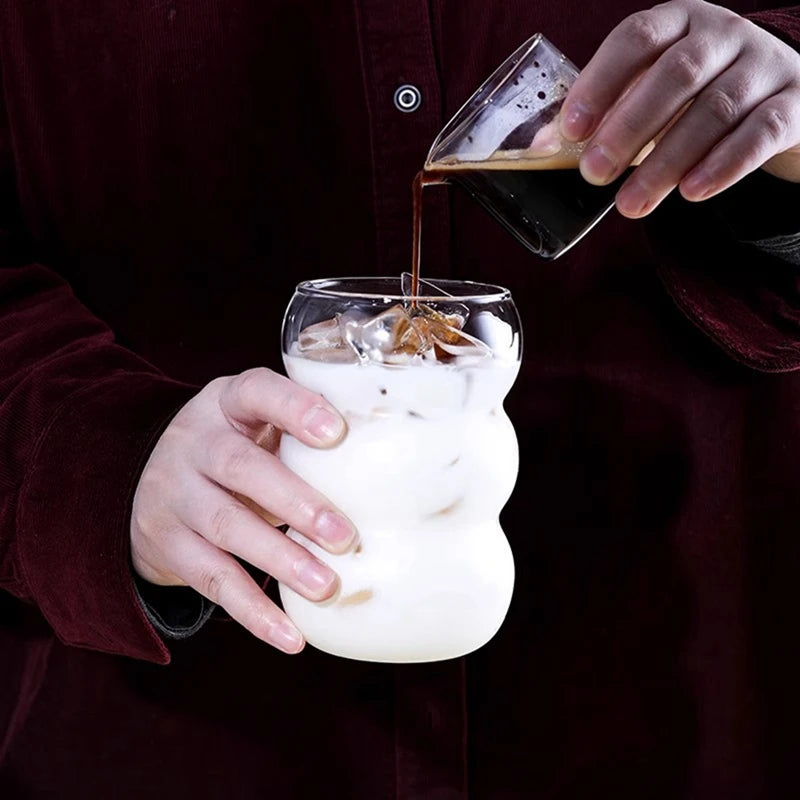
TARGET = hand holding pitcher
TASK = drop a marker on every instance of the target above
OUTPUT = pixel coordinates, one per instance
(719, 93)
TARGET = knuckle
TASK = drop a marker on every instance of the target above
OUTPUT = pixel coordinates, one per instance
(632, 121)
(640, 31)
(219, 392)
(774, 124)
(217, 387)
(144, 523)
(684, 68)
(223, 523)
(734, 26)
(153, 482)
(178, 433)
(231, 461)
(141, 520)
(247, 385)
(153, 511)
(303, 512)
(213, 584)
(214, 393)
(150, 499)
(724, 106)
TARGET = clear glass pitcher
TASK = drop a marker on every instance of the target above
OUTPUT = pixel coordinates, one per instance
(503, 146)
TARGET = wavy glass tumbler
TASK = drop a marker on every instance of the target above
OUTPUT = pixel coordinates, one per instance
(429, 460)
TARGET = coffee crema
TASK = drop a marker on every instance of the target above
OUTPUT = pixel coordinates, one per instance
(544, 202)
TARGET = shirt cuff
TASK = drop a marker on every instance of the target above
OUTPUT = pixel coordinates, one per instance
(731, 265)
(176, 612)
(761, 209)
(73, 529)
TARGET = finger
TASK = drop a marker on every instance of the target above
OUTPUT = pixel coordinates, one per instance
(709, 119)
(261, 395)
(267, 438)
(678, 76)
(630, 48)
(269, 518)
(771, 128)
(218, 576)
(233, 528)
(236, 463)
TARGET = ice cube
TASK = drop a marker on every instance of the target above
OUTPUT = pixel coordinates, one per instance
(497, 334)
(394, 336)
(388, 337)
(323, 341)
(442, 333)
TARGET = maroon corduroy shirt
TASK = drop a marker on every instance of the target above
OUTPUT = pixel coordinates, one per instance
(170, 170)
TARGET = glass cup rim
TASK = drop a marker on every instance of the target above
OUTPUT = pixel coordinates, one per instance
(476, 291)
(503, 73)
(499, 77)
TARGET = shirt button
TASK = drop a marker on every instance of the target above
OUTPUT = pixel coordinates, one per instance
(407, 98)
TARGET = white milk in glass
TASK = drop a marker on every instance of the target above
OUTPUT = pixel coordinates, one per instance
(429, 460)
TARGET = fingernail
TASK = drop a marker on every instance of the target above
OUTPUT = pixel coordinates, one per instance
(323, 425)
(335, 529)
(286, 637)
(597, 165)
(697, 184)
(314, 575)
(577, 121)
(632, 199)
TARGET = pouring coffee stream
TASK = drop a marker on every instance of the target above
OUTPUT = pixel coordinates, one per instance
(422, 179)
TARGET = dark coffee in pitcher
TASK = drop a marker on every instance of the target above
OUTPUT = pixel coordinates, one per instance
(544, 203)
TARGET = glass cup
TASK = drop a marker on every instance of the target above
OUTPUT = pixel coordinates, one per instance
(504, 148)
(428, 462)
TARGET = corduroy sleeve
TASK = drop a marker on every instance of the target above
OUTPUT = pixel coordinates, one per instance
(78, 416)
(732, 263)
